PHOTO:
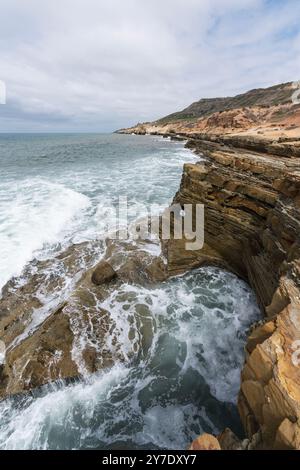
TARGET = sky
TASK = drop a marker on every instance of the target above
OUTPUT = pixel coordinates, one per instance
(96, 66)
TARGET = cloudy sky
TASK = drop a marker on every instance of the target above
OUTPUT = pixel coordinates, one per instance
(95, 65)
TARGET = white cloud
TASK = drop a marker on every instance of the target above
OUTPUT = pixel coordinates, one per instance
(95, 65)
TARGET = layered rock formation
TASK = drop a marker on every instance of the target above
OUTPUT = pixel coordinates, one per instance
(252, 226)
(251, 192)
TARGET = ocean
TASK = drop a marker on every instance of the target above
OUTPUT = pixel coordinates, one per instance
(54, 189)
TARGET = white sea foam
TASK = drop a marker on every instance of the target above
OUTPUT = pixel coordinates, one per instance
(34, 214)
(183, 361)
(190, 332)
(160, 423)
(70, 206)
(208, 312)
(54, 411)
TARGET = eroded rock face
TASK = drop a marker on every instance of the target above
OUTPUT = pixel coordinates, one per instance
(251, 195)
(264, 112)
(63, 332)
(227, 440)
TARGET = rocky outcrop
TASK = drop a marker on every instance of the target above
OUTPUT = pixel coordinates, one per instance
(51, 322)
(103, 273)
(227, 440)
(252, 226)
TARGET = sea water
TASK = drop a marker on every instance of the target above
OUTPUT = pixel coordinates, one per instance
(52, 190)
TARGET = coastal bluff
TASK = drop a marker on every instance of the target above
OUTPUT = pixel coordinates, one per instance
(249, 183)
(252, 226)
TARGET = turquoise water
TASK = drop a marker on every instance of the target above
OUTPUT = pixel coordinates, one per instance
(53, 190)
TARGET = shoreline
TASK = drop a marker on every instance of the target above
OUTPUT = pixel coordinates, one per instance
(241, 182)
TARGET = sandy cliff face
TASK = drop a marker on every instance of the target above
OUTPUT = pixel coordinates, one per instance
(252, 226)
(271, 112)
(271, 122)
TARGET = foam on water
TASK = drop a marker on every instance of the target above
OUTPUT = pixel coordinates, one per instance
(190, 332)
(59, 193)
(35, 214)
(182, 340)
(49, 416)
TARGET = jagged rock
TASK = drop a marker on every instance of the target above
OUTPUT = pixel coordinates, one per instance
(103, 273)
(205, 442)
(287, 436)
(229, 441)
(252, 226)
(67, 337)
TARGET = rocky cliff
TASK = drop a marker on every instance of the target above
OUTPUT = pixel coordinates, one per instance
(249, 183)
(251, 194)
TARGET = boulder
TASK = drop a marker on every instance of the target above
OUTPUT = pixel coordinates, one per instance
(205, 442)
(229, 441)
(103, 273)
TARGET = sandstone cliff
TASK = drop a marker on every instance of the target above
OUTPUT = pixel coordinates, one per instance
(251, 195)
(249, 183)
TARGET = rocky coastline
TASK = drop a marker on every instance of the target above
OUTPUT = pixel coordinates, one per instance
(250, 188)
(251, 194)
(252, 219)
(249, 183)
(248, 179)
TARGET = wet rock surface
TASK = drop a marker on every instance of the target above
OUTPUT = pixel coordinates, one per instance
(205, 442)
(103, 273)
(252, 226)
(62, 331)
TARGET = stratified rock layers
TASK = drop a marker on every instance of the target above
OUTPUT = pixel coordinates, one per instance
(252, 221)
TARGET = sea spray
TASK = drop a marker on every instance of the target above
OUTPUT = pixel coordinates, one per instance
(185, 381)
(190, 330)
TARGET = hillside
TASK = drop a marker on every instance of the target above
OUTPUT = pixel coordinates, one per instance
(268, 112)
(265, 97)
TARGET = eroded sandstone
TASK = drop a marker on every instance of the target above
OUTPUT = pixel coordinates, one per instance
(252, 222)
